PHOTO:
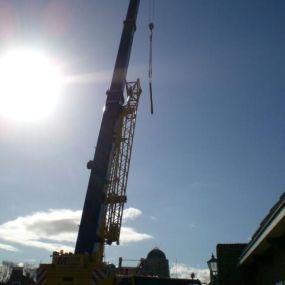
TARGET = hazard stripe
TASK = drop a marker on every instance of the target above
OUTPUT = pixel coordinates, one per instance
(93, 282)
(41, 276)
(97, 275)
(100, 275)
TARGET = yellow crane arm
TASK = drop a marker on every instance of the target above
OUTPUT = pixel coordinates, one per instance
(119, 169)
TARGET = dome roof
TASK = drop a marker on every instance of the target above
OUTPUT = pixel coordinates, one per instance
(156, 254)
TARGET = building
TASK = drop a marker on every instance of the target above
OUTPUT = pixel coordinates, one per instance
(155, 264)
(152, 270)
(144, 280)
(227, 258)
(262, 260)
(18, 278)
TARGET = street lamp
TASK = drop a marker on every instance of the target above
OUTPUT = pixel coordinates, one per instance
(213, 266)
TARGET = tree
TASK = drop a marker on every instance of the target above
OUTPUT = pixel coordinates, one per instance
(6, 270)
(30, 270)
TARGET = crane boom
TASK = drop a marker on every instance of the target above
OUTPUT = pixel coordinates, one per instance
(106, 192)
(91, 230)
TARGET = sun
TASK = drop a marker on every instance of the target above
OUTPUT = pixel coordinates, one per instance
(30, 85)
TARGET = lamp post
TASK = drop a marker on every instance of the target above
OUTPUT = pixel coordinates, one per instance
(213, 266)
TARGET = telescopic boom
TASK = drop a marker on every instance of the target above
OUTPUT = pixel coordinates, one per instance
(92, 223)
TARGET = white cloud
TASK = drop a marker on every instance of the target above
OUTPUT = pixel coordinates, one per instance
(131, 214)
(181, 270)
(46, 230)
(130, 235)
(56, 229)
(8, 247)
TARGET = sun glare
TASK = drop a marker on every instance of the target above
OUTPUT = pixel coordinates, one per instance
(30, 85)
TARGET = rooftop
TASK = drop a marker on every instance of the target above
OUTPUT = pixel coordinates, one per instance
(271, 228)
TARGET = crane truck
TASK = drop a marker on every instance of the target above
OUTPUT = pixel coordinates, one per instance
(106, 192)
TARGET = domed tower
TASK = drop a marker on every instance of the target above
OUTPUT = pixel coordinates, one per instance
(155, 264)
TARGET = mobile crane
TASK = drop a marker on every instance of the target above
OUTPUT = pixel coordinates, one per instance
(106, 192)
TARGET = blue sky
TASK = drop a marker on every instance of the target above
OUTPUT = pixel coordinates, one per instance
(206, 167)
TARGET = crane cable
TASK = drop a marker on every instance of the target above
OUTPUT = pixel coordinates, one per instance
(151, 27)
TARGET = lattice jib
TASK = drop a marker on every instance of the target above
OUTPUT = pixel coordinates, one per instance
(118, 178)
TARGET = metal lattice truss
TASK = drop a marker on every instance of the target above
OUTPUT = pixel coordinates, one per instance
(117, 183)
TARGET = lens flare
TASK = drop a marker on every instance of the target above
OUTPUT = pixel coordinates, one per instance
(30, 85)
